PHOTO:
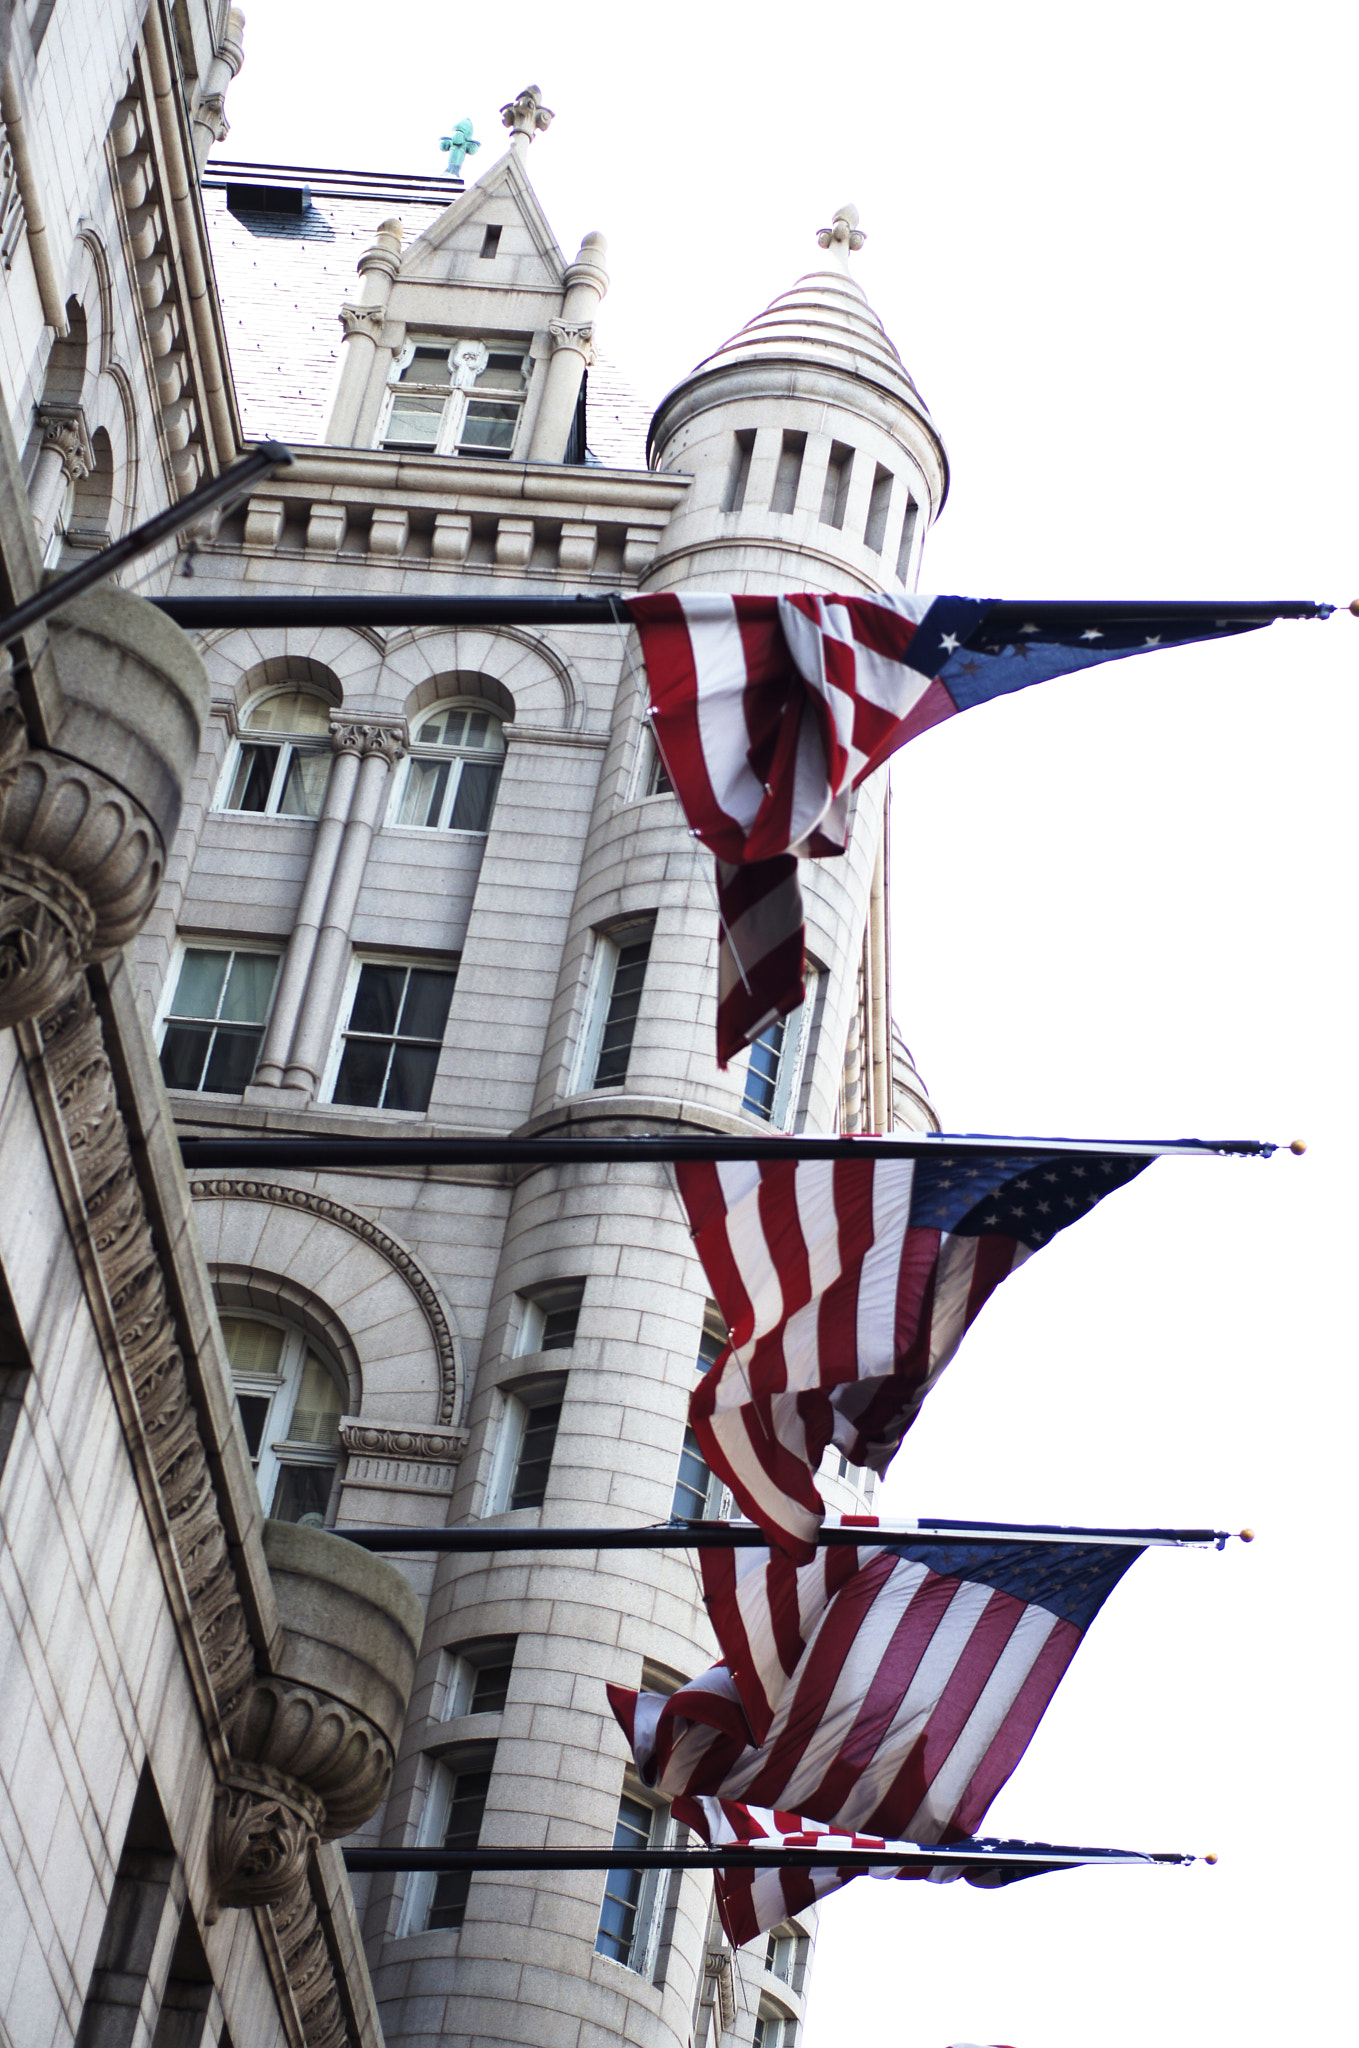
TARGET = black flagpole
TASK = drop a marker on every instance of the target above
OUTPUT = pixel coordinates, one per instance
(733, 1856)
(746, 1536)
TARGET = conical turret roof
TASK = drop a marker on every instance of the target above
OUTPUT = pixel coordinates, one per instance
(824, 317)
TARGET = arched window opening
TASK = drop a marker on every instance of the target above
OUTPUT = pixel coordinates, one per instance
(290, 1398)
(450, 777)
(284, 774)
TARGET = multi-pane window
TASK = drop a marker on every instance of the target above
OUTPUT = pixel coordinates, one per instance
(524, 1447)
(283, 775)
(461, 400)
(455, 1806)
(699, 1494)
(477, 1680)
(773, 2027)
(712, 1339)
(785, 1956)
(390, 1044)
(617, 997)
(775, 1064)
(216, 1019)
(629, 1916)
(449, 780)
(290, 1401)
(548, 1317)
(658, 781)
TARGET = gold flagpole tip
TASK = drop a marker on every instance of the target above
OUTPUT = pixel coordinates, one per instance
(1354, 606)
(1299, 1146)
(1248, 1535)
(1211, 1857)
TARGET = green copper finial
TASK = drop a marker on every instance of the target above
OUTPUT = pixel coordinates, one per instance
(458, 145)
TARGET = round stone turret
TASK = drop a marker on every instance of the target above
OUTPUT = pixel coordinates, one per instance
(814, 457)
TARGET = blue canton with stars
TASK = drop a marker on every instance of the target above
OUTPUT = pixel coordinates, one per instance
(979, 650)
(1005, 1194)
(1072, 1580)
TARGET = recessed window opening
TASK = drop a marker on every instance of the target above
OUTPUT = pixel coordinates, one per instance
(478, 1677)
(283, 778)
(835, 493)
(878, 505)
(466, 399)
(216, 1019)
(619, 977)
(455, 1806)
(785, 1956)
(774, 2028)
(391, 1042)
(712, 1340)
(542, 1414)
(548, 1317)
(739, 475)
(629, 1915)
(788, 473)
(775, 1064)
(904, 552)
(658, 782)
(699, 1495)
(290, 1399)
(490, 243)
(449, 780)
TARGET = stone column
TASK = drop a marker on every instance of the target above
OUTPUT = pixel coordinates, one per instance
(381, 745)
(346, 739)
(363, 326)
(587, 280)
(210, 123)
(64, 457)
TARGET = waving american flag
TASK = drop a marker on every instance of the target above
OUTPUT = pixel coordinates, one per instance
(769, 711)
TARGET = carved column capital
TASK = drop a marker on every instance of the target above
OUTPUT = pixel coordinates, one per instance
(366, 320)
(574, 334)
(365, 736)
(210, 113)
(63, 431)
(526, 115)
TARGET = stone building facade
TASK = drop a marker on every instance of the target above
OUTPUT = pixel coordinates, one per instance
(418, 880)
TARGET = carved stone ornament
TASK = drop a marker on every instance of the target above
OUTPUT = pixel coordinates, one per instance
(325, 1749)
(120, 1231)
(527, 115)
(210, 113)
(576, 334)
(844, 233)
(467, 359)
(311, 1973)
(361, 1227)
(425, 1446)
(717, 1966)
(264, 1828)
(362, 320)
(354, 736)
(63, 430)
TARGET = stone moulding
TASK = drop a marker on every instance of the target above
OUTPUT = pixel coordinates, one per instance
(359, 1226)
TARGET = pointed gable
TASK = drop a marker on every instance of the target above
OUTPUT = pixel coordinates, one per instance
(519, 252)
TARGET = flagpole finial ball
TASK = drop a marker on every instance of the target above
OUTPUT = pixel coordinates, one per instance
(1248, 1535)
(1298, 1146)
(1354, 606)
(1211, 1857)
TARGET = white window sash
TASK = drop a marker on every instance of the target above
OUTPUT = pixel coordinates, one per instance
(420, 1884)
(646, 1933)
(602, 971)
(505, 1458)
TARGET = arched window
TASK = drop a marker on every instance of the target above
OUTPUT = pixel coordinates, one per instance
(290, 1398)
(449, 778)
(282, 773)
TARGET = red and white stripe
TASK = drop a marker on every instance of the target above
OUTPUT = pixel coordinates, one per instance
(761, 949)
(914, 1698)
(841, 1315)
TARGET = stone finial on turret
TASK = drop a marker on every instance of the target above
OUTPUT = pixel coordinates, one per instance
(527, 117)
(843, 236)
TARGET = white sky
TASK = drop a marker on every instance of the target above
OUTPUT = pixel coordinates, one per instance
(1117, 253)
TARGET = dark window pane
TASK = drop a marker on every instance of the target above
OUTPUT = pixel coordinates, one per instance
(561, 1312)
(250, 783)
(254, 1410)
(363, 1070)
(304, 787)
(411, 1079)
(303, 1494)
(488, 428)
(426, 1008)
(762, 1075)
(377, 1000)
(475, 799)
(246, 999)
(463, 1832)
(712, 1342)
(423, 799)
(692, 1483)
(427, 366)
(535, 1458)
(414, 423)
(183, 1053)
(490, 1689)
(620, 1022)
(622, 1888)
(232, 1060)
(200, 983)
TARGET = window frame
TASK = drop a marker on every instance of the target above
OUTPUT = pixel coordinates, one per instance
(445, 1768)
(537, 1305)
(792, 1060)
(457, 757)
(518, 1401)
(463, 1666)
(648, 1907)
(442, 963)
(609, 948)
(282, 1394)
(186, 943)
(457, 398)
(287, 746)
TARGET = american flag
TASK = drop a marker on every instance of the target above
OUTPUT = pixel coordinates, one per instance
(750, 1902)
(846, 1287)
(918, 1688)
(769, 711)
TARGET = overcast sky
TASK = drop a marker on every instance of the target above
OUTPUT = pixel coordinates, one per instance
(1117, 252)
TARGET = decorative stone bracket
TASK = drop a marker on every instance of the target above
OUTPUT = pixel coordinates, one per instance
(402, 1460)
(717, 1969)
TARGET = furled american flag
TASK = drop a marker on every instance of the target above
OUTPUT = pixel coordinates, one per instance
(846, 1287)
(769, 711)
(917, 1689)
(752, 1901)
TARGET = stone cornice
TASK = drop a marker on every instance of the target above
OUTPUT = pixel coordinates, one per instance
(546, 485)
